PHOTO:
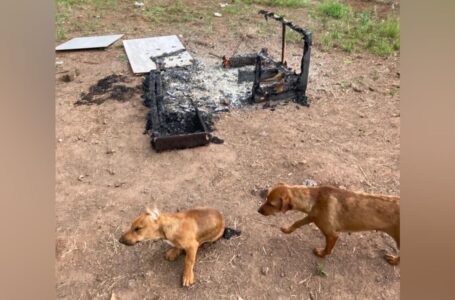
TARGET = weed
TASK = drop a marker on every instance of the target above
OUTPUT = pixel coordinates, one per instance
(320, 270)
(122, 57)
(61, 34)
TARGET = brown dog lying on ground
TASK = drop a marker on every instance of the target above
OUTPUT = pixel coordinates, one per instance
(185, 230)
(336, 210)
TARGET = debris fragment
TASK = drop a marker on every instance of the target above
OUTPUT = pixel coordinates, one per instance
(223, 5)
(91, 42)
(217, 14)
(139, 52)
(138, 4)
(108, 88)
(216, 140)
(310, 182)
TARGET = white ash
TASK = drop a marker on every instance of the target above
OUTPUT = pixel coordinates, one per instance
(210, 87)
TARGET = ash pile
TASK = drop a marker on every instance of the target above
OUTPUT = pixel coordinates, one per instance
(184, 100)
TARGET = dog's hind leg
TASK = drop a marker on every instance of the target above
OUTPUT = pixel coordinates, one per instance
(173, 253)
(394, 259)
(190, 259)
(299, 223)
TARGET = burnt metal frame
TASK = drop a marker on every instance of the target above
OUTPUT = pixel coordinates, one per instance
(154, 97)
(298, 83)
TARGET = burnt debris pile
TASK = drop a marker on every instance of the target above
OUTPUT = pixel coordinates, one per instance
(184, 100)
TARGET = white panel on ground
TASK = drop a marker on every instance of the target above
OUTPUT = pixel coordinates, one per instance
(89, 42)
(140, 51)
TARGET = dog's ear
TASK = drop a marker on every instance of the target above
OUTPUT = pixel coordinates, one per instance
(148, 211)
(154, 214)
(285, 201)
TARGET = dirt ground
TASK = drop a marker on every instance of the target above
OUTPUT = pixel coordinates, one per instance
(106, 172)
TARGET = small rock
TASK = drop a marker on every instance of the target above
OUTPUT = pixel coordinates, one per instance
(67, 78)
(263, 133)
(223, 5)
(60, 140)
(59, 62)
(118, 184)
(80, 177)
(112, 172)
(216, 140)
(217, 14)
(139, 4)
(225, 101)
(371, 88)
(264, 271)
(356, 88)
(310, 182)
(283, 274)
(110, 151)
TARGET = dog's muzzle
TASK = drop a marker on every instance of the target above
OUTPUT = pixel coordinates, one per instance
(126, 242)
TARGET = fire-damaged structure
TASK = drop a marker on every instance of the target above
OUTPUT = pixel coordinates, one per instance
(170, 128)
(182, 100)
(273, 80)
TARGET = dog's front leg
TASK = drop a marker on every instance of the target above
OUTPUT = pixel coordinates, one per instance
(299, 223)
(173, 253)
(190, 259)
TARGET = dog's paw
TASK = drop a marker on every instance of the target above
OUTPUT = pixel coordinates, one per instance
(319, 252)
(188, 279)
(172, 254)
(286, 230)
(392, 259)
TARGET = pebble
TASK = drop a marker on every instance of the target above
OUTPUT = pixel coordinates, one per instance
(264, 271)
(217, 14)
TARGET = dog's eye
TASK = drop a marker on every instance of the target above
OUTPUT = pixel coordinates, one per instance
(137, 229)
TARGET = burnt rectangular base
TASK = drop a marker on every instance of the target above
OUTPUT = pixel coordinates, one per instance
(181, 141)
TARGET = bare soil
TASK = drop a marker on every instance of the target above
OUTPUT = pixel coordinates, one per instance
(106, 172)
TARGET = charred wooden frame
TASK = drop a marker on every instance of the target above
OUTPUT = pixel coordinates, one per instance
(274, 80)
(162, 139)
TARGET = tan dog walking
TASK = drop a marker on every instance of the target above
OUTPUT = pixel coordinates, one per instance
(335, 210)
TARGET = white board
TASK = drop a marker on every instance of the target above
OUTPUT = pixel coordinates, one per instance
(89, 42)
(140, 51)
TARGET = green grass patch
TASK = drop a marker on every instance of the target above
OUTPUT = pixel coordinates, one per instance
(334, 9)
(177, 12)
(354, 31)
(95, 3)
(282, 3)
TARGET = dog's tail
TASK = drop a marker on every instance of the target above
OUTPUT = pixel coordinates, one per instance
(229, 232)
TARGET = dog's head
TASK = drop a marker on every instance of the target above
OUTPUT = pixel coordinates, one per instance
(278, 200)
(144, 228)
